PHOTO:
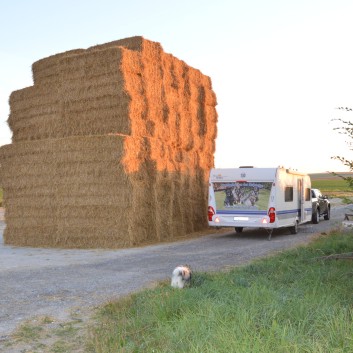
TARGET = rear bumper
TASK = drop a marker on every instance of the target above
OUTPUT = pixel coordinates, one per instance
(242, 220)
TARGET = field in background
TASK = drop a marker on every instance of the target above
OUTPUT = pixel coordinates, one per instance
(329, 176)
(331, 185)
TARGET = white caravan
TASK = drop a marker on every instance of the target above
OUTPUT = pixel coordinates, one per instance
(266, 198)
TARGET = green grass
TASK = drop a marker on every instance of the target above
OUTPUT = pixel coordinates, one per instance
(331, 185)
(292, 302)
(43, 334)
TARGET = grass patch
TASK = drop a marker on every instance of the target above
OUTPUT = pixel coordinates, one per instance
(43, 334)
(292, 302)
(332, 186)
(28, 332)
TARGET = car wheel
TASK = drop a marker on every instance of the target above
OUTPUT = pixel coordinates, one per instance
(327, 215)
(294, 229)
(238, 229)
(316, 216)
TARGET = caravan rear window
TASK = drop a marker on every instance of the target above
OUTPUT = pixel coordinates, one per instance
(288, 194)
(239, 195)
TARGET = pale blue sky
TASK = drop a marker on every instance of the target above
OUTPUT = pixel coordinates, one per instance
(278, 67)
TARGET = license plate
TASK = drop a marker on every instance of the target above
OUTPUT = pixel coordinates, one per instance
(241, 218)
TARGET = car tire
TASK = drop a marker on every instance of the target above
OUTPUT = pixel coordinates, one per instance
(327, 215)
(316, 216)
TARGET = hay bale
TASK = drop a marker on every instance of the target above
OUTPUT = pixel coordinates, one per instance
(111, 148)
(128, 87)
(66, 191)
(89, 192)
(46, 71)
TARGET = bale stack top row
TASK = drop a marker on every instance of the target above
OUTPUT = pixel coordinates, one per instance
(129, 87)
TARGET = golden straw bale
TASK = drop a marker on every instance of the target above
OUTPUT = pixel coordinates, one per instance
(69, 196)
(46, 70)
(33, 96)
(55, 186)
(66, 237)
(112, 148)
(128, 86)
(94, 89)
(137, 43)
(65, 178)
(90, 64)
(133, 43)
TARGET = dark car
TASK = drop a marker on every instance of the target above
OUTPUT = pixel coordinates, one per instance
(321, 206)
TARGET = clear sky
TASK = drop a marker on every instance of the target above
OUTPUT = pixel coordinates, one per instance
(279, 68)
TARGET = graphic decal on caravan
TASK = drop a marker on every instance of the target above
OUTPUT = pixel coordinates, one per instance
(242, 195)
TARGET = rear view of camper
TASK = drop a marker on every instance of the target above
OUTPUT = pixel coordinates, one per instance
(267, 198)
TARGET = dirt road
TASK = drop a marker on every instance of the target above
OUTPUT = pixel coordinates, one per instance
(56, 283)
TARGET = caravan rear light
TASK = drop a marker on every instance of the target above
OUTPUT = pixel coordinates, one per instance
(211, 213)
(272, 214)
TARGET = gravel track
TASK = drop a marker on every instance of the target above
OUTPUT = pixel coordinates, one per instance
(57, 282)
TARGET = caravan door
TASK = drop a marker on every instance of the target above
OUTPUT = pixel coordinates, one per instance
(301, 199)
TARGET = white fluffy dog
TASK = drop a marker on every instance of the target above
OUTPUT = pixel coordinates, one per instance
(181, 276)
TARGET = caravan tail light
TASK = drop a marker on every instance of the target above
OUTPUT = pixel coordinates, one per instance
(272, 214)
(211, 213)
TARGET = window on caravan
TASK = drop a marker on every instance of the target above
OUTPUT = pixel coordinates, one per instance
(232, 196)
(307, 194)
(288, 194)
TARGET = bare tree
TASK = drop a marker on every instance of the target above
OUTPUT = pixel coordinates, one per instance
(345, 129)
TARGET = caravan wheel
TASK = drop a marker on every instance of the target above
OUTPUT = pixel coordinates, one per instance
(238, 229)
(294, 229)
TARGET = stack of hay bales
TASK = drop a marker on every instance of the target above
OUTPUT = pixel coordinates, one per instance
(112, 146)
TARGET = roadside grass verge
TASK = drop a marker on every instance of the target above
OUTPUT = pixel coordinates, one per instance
(294, 301)
(291, 302)
(46, 335)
